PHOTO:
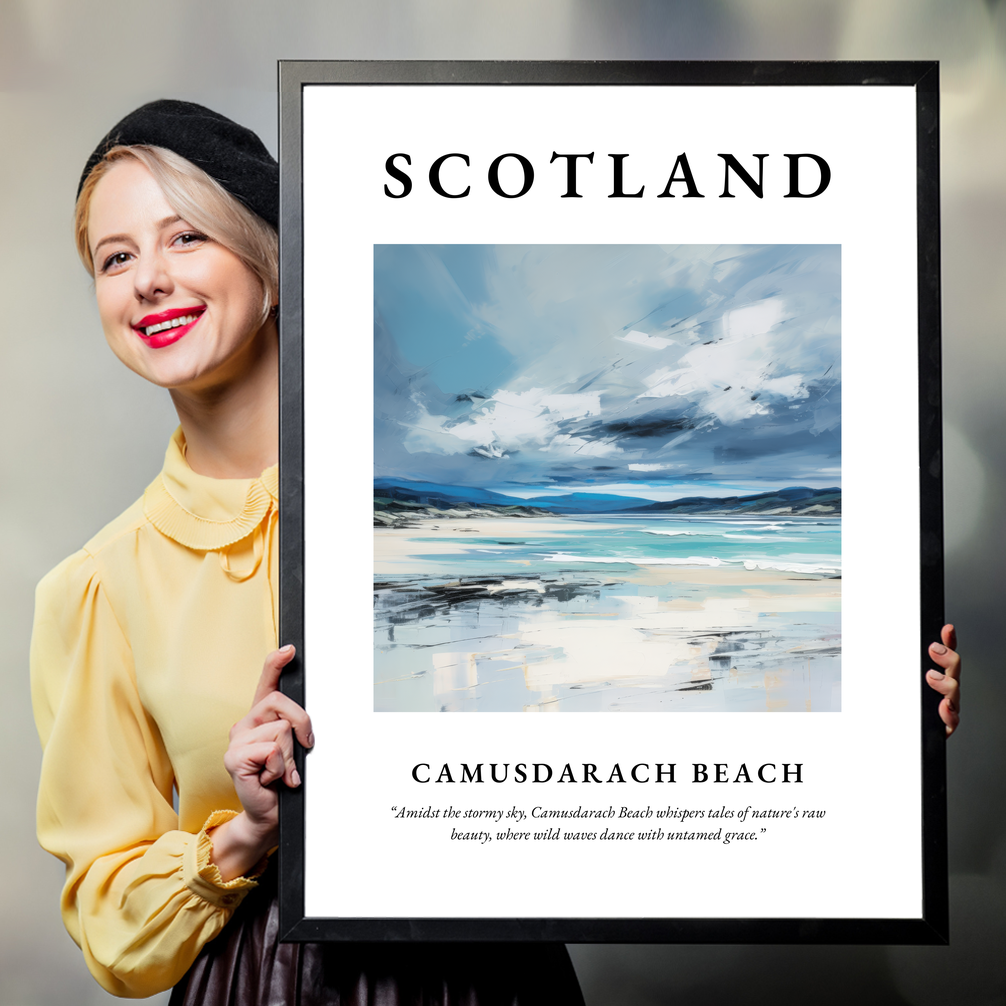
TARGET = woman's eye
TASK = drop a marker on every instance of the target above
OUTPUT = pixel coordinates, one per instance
(114, 261)
(190, 238)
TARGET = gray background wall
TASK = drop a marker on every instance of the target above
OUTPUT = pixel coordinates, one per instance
(82, 436)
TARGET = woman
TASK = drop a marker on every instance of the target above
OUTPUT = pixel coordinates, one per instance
(148, 643)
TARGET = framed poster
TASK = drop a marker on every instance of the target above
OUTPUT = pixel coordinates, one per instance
(611, 391)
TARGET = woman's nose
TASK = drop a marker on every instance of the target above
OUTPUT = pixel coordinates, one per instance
(152, 277)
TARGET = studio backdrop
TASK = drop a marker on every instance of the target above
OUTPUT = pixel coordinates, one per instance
(611, 530)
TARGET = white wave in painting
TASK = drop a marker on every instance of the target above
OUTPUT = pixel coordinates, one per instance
(727, 534)
(675, 534)
(791, 567)
(636, 560)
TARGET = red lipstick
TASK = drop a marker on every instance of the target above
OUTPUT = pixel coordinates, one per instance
(165, 333)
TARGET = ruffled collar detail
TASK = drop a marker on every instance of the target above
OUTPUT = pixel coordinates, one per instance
(203, 513)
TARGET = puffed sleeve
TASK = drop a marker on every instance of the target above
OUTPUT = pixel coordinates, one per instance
(141, 898)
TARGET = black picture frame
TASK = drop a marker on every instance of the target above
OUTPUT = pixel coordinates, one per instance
(932, 925)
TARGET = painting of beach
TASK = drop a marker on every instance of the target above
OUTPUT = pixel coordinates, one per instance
(607, 478)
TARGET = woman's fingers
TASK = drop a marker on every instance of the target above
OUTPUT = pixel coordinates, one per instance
(944, 684)
(277, 706)
(261, 761)
(278, 736)
(270, 703)
(274, 766)
(949, 710)
(947, 681)
(271, 671)
(947, 658)
(261, 749)
(949, 636)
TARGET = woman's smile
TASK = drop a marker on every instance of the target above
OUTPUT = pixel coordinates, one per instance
(166, 327)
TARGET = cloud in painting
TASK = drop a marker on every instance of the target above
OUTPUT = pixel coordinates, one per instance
(509, 421)
(529, 365)
(746, 372)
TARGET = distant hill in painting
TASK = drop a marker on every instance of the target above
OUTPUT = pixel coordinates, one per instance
(798, 500)
(396, 502)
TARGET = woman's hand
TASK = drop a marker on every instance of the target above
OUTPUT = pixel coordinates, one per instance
(260, 753)
(947, 682)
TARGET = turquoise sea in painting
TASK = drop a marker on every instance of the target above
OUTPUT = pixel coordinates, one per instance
(587, 544)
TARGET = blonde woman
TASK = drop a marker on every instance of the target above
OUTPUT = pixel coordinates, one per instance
(165, 736)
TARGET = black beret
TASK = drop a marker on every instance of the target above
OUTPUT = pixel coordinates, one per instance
(231, 154)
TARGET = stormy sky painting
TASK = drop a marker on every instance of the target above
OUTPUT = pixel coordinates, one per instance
(642, 370)
(607, 478)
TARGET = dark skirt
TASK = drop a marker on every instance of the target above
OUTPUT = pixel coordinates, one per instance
(246, 965)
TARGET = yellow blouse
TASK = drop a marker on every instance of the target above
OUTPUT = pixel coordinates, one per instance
(147, 647)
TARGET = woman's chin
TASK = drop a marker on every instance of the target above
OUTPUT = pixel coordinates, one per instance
(175, 373)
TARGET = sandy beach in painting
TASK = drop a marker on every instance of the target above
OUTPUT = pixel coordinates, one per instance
(557, 614)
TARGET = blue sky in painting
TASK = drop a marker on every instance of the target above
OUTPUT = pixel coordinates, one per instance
(645, 370)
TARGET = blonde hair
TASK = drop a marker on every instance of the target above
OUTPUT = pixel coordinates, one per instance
(199, 200)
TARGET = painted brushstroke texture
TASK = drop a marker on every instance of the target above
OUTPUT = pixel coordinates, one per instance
(607, 478)
(571, 366)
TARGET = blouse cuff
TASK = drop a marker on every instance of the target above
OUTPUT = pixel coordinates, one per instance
(202, 876)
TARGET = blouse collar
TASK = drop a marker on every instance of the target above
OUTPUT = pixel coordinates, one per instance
(204, 513)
